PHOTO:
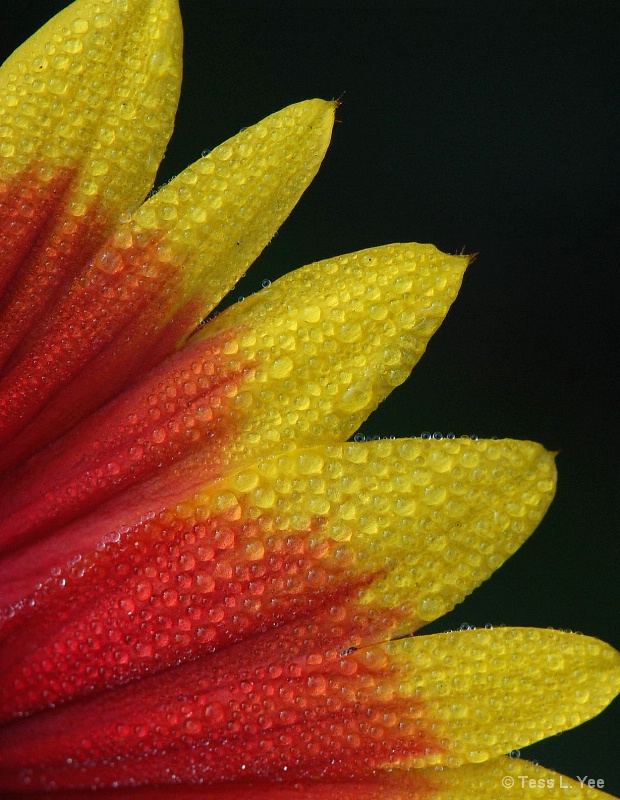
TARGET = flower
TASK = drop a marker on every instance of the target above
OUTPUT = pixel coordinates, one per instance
(202, 580)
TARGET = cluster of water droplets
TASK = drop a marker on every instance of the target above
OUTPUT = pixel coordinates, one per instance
(437, 435)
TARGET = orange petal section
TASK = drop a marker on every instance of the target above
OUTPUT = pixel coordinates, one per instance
(181, 409)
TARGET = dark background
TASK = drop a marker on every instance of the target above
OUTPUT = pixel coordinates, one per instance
(489, 126)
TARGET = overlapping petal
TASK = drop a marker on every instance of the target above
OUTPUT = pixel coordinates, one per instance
(388, 535)
(74, 157)
(306, 360)
(201, 580)
(294, 703)
(114, 309)
(84, 129)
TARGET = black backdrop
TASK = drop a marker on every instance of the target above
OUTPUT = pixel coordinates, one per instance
(489, 126)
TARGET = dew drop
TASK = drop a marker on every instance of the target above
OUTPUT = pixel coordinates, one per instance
(357, 397)
(281, 367)
(254, 550)
(214, 713)
(311, 314)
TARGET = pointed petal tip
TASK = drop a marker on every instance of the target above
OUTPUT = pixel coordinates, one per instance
(361, 321)
(215, 227)
(545, 682)
(355, 516)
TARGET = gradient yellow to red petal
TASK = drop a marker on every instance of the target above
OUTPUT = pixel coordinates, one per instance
(81, 316)
(294, 703)
(58, 127)
(200, 580)
(291, 702)
(312, 356)
(140, 296)
(87, 108)
(394, 533)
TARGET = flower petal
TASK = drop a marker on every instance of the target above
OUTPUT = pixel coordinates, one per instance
(87, 108)
(159, 275)
(388, 535)
(491, 691)
(488, 781)
(304, 361)
(291, 702)
(331, 340)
